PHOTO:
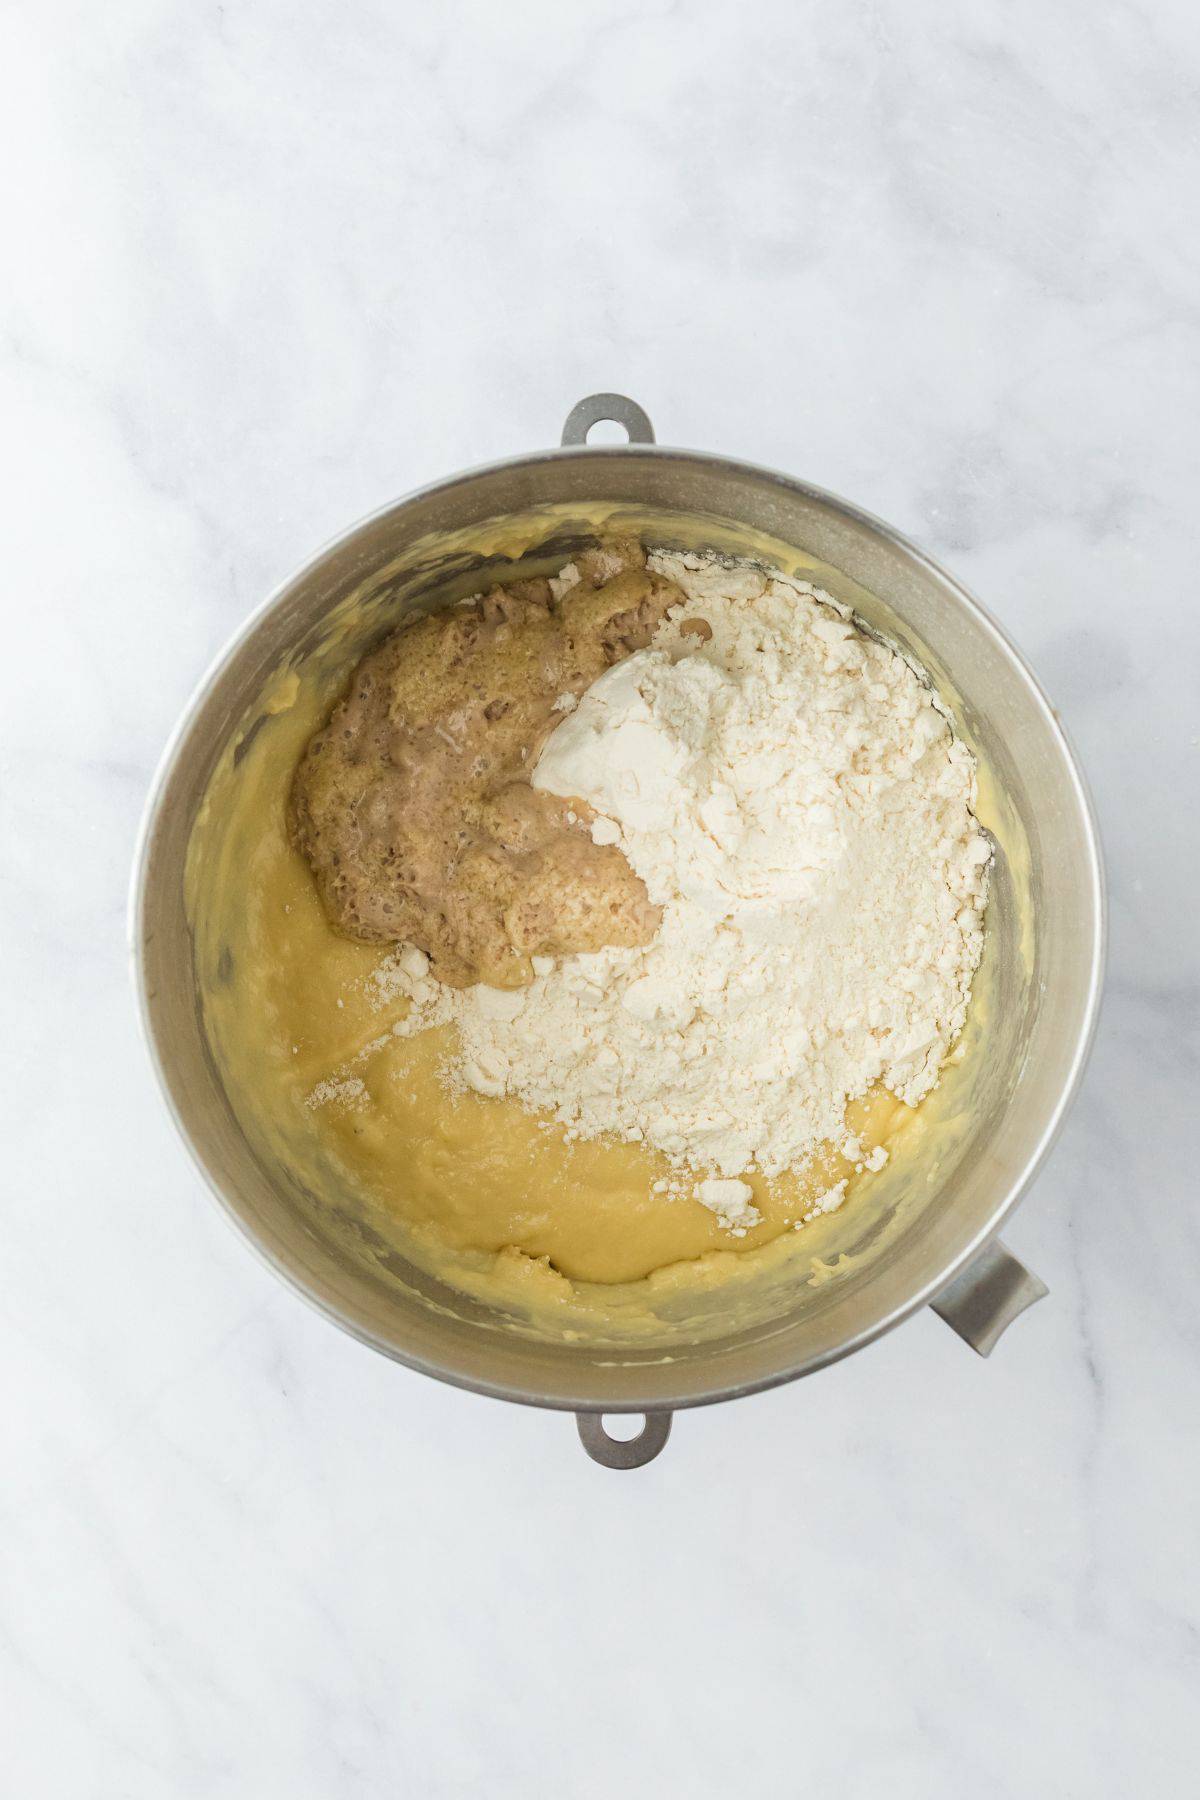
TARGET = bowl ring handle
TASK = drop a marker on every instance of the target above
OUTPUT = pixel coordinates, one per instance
(618, 408)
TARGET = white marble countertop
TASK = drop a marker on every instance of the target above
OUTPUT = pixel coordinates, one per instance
(274, 266)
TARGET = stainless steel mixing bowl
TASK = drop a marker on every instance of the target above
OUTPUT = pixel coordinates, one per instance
(1046, 921)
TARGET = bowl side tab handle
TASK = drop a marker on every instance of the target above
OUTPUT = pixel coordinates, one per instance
(619, 409)
(623, 1453)
(984, 1298)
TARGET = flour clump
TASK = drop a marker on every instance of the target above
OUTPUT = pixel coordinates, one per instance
(794, 800)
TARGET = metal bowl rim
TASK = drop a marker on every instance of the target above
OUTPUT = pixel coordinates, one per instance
(1096, 897)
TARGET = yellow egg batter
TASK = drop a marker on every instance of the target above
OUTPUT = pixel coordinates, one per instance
(479, 1185)
(556, 1238)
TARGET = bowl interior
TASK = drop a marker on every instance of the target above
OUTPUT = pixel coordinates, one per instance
(979, 1136)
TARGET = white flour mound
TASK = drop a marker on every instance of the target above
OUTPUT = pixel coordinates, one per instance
(793, 797)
